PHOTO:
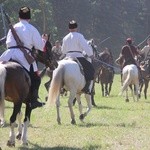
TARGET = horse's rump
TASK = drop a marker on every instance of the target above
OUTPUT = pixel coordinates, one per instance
(66, 75)
(17, 83)
(129, 76)
(2, 81)
(130, 70)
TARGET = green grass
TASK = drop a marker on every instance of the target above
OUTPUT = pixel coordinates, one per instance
(113, 125)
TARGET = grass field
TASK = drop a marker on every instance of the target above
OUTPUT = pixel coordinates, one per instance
(112, 125)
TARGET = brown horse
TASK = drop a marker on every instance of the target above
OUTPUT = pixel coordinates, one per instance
(106, 74)
(144, 65)
(106, 77)
(15, 87)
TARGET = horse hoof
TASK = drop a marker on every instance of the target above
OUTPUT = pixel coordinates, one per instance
(139, 95)
(127, 100)
(81, 117)
(25, 144)
(73, 122)
(18, 137)
(11, 144)
(94, 105)
(59, 123)
(2, 124)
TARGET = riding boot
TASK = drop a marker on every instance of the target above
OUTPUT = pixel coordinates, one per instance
(34, 102)
(86, 89)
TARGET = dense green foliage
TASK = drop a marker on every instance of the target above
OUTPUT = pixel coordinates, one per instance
(98, 19)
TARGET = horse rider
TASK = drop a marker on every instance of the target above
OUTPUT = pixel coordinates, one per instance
(30, 37)
(56, 49)
(46, 39)
(146, 52)
(94, 47)
(128, 55)
(73, 45)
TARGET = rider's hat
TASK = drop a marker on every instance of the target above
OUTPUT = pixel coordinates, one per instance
(73, 24)
(24, 13)
(129, 40)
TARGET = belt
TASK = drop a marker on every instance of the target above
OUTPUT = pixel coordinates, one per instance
(18, 46)
(74, 51)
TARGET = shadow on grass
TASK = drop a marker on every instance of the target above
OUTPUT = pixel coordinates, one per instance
(103, 107)
(16, 125)
(119, 125)
(89, 125)
(37, 147)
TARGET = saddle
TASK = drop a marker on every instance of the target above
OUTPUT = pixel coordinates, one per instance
(77, 61)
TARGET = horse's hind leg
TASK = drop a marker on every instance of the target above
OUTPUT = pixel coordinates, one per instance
(58, 110)
(141, 86)
(70, 105)
(102, 86)
(145, 89)
(26, 124)
(133, 92)
(137, 91)
(47, 84)
(110, 85)
(106, 90)
(19, 118)
(127, 97)
(16, 110)
(89, 104)
(78, 97)
(2, 108)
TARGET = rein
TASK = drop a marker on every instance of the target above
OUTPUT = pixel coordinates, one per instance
(106, 64)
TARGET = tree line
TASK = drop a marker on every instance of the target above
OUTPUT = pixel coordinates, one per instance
(97, 19)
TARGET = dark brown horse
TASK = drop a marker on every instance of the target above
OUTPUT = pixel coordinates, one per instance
(106, 74)
(106, 77)
(144, 65)
(15, 87)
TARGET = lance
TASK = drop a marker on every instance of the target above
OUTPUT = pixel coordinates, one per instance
(143, 40)
(105, 40)
(106, 64)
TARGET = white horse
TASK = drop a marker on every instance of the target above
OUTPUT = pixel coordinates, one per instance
(130, 77)
(68, 75)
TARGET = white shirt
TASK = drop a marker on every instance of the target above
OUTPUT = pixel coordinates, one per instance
(76, 43)
(30, 37)
(146, 52)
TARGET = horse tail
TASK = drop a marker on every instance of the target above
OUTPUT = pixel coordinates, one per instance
(127, 81)
(2, 82)
(55, 86)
